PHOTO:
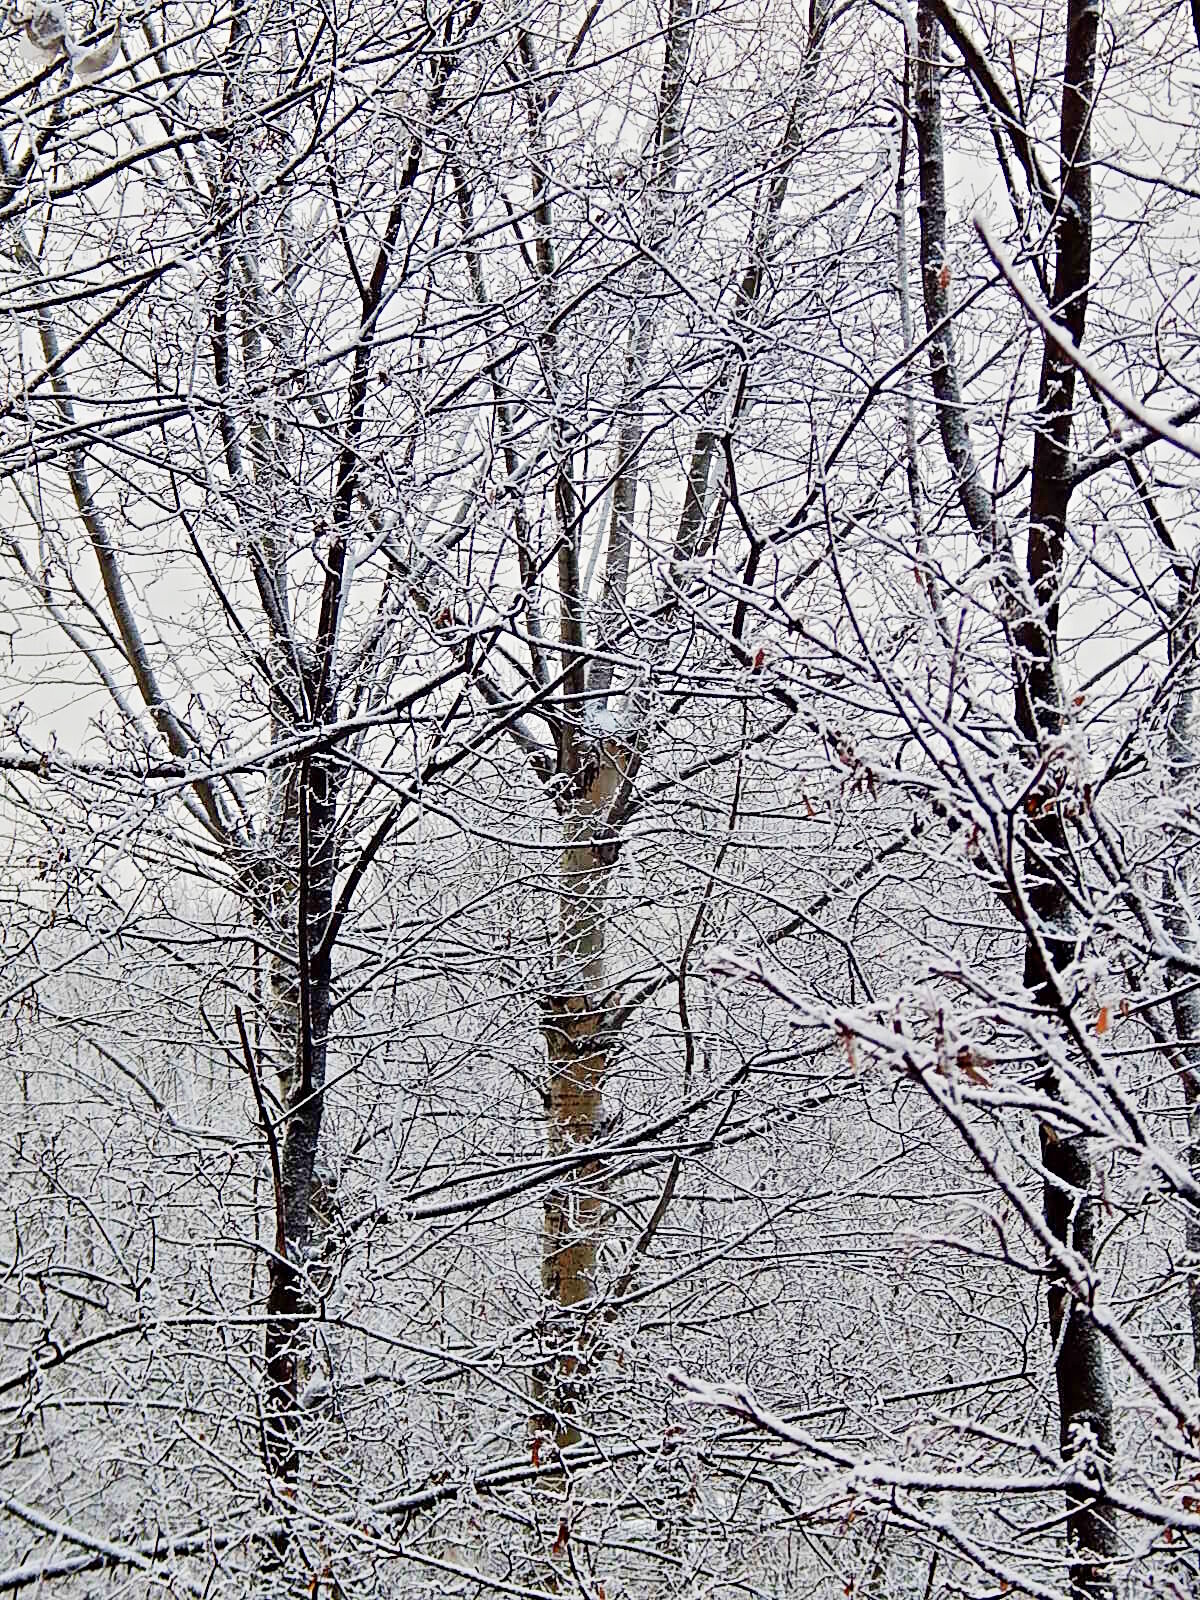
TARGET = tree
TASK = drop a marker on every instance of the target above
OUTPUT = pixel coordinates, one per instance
(259, 712)
(1035, 795)
(1044, 902)
(309, 611)
(518, 573)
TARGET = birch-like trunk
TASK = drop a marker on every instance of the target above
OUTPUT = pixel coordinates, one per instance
(577, 1021)
(576, 1010)
(577, 1052)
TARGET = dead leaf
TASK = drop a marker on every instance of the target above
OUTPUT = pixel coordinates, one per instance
(971, 1063)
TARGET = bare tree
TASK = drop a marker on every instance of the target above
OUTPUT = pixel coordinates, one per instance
(233, 508)
(1041, 824)
(1043, 901)
(493, 568)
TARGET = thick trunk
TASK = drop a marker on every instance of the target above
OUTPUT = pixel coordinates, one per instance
(1085, 1408)
(577, 1049)
(1039, 708)
(289, 1298)
(1084, 1398)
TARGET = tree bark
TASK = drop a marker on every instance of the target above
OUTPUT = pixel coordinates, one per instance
(1085, 1400)
(289, 1298)
(1179, 899)
(668, 147)
(577, 1051)
(1084, 1395)
(936, 279)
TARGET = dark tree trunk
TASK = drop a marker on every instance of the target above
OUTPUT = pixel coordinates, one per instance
(1179, 895)
(289, 1299)
(1085, 1400)
(1085, 1409)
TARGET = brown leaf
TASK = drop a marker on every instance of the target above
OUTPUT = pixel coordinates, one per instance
(1102, 1020)
(970, 1063)
(560, 1544)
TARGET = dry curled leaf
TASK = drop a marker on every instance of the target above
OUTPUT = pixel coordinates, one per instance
(971, 1064)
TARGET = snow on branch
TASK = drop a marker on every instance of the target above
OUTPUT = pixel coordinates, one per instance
(1160, 427)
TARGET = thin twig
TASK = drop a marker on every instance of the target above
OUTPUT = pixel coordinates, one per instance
(1160, 427)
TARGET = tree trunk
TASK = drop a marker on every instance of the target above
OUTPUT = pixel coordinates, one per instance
(1084, 1396)
(1085, 1407)
(577, 1051)
(1179, 903)
(289, 1297)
